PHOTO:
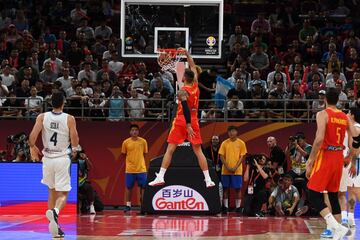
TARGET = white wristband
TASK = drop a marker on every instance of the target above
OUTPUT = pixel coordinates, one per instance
(75, 149)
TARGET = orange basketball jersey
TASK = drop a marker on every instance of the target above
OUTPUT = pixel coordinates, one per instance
(335, 129)
(192, 100)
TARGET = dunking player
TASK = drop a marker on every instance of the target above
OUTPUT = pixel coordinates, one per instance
(185, 125)
(58, 132)
(326, 160)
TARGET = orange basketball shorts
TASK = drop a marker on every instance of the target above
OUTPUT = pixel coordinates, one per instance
(327, 171)
(178, 132)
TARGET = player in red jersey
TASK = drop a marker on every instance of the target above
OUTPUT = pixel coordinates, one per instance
(326, 161)
(185, 125)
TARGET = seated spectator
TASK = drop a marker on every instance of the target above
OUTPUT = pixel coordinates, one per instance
(77, 102)
(48, 75)
(164, 92)
(333, 63)
(278, 78)
(96, 110)
(77, 14)
(240, 90)
(319, 104)
(297, 108)
(241, 73)
(260, 25)
(275, 108)
(284, 198)
(7, 78)
(210, 113)
(89, 58)
(314, 69)
(62, 44)
(103, 30)
(56, 63)
(85, 86)
(255, 109)
(136, 106)
(23, 91)
(331, 49)
(271, 75)
(114, 64)
(84, 28)
(107, 54)
(139, 82)
(307, 30)
(75, 55)
(343, 99)
(156, 108)
(256, 174)
(313, 91)
(258, 42)
(352, 62)
(87, 73)
(234, 108)
(280, 90)
(98, 48)
(166, 83)
(332, 80)
(239, 37)
(4, 91)
(256, 80)
(65, 79)
(107, 88)
(34, 103)
(40, 89)
(259, 60)
(12, 107)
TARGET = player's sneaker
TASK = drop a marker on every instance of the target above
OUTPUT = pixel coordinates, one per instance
(345, 222)
(341, 232)
(327, 233)
(52, 216)
(352, 223)
(158, 181)
(209, 183)
(61, 234)
(92, 209)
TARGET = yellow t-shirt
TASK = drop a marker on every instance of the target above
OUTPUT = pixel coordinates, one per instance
(134, 150)
(232, 152)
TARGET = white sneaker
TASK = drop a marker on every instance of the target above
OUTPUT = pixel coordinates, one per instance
(352, 223)
(209, 183)
(341, 232)
(158, 181)
(92, 209)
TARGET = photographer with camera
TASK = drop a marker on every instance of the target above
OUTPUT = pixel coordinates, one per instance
(256, 174)
(21, 144)
(285, 197)
(86, 192)
(298, 151)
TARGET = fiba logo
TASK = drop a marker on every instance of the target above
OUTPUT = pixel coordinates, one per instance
(128, 41)
(211, 41)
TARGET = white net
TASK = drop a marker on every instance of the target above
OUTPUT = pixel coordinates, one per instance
(167, 59)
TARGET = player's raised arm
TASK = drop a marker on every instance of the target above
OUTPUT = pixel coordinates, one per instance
(34, 151)
(191, 63)
(74, 137)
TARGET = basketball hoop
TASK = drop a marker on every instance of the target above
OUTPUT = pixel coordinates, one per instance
(168, 58)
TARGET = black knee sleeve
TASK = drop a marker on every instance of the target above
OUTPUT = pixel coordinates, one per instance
(317, 200)
(334, 201)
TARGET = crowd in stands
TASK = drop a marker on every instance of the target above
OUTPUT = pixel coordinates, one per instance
(287, 55)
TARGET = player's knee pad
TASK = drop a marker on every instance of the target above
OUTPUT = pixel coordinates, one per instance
(317, 200)
(334, 201)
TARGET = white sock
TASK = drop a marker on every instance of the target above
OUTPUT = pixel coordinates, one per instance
(226, 202)
(351, 215)
(238, 203)
(344, 215)
(57, 211)
(328, 227)
(331, 221)
(162, 172)
(206, 175)
(128, 204)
